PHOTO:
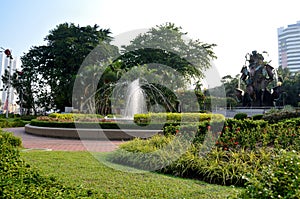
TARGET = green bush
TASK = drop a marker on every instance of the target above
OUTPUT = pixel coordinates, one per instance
(68, 117)
(146, 154)
(28, 117)
(19, 180)
(4, 123)
(240, 116)
(10, 115)
(253, 134)
(257, 116)
(280, 179)
(7, 139)
(243, 146)
(215, 166)
(176, 117)
(280, 115)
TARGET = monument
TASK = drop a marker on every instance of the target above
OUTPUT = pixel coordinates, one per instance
(257, 74)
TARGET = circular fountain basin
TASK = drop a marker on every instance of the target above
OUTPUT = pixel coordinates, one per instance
(93, 134)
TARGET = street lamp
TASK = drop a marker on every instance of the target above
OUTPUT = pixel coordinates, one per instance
(7, 52)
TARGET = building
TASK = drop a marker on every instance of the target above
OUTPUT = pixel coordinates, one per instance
(4, 63)
(289, 47)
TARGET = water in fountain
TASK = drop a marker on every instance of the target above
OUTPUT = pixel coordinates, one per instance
(135, 100)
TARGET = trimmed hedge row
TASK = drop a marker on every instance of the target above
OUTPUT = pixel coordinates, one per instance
(176, 117)
(114, 125)
(141, 121)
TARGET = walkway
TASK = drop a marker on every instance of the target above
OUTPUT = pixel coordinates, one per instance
(58, 144)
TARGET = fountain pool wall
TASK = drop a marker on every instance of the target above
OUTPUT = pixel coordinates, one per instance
(92, 134)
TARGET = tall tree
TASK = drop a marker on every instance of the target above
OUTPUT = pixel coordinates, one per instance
(290, 87)
(161, 46)
(171, 40)
(50, 70)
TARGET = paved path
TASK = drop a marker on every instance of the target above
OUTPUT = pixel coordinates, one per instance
(58, 144)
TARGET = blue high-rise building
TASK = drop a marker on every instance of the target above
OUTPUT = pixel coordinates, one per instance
(289, 47)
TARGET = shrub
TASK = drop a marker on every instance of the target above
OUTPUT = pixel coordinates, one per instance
(240, 116)
(253, 134)
(19, 180)
(280, 179)
(28, 117)
(244, 146)
(257, 116)
(4, 123)
(146, 154)
(69, 117)
(216, 166)
(176, 117)
(276, 115)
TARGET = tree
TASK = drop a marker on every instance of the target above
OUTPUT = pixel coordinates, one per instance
(290, 87)
(165, 41)
(50, 70)
(164, 45)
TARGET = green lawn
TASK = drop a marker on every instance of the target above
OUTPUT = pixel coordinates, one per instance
(82, 169)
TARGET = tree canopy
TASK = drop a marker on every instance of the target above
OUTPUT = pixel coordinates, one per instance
(172, 59)
(49, 70)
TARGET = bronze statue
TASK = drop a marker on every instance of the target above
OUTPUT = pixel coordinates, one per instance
(257, 76)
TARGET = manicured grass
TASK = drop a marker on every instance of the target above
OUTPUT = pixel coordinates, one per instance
(82, 169)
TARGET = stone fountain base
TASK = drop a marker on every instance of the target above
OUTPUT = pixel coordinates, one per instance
(93, 134)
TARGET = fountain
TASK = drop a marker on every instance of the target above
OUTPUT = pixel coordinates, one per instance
(135, 100)
(135, 103)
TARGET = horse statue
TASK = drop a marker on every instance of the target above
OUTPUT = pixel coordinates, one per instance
(257, 76)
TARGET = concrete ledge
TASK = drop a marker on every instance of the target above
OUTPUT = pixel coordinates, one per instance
(95, 134)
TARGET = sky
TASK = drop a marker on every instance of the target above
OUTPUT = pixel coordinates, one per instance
(237, 26)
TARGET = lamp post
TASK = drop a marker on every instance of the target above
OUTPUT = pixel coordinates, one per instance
(7, 52)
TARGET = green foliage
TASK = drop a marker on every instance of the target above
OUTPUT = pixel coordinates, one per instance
(10, 115)
(212, 102)
(218, 166)
(7, 140)
(279, 179)
(276, 115)
(253, 134)
(243, 146)
(19, 180)
(257, 116)
(152, 154)
(240, 116)
(7, 123)
(170, 38)
(55, 66)
(28, 117)
(164, 44)
(67, 117)
(81, 168)
(176, 117)
(290, 87)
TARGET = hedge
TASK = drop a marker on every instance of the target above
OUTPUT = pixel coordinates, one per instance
(176, 117)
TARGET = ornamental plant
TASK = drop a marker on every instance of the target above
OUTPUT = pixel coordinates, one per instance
(280, 179)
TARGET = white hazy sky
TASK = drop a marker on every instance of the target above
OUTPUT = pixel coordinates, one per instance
(236, 26)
